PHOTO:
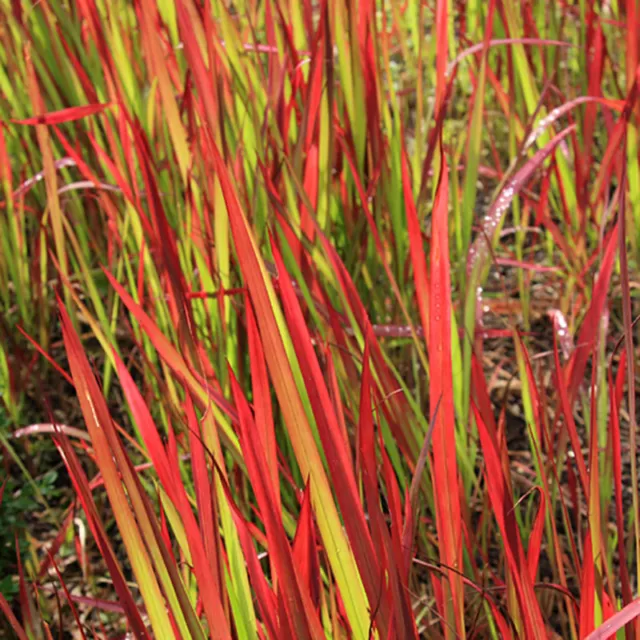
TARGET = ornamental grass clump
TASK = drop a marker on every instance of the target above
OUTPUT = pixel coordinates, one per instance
(324, 314)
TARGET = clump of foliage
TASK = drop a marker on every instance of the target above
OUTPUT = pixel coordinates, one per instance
(344, 292)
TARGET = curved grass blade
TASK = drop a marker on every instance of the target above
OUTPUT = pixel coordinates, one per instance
(497, 42)
(479, 250)
(618, 620)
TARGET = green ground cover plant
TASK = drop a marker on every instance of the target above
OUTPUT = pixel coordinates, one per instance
(319, 319)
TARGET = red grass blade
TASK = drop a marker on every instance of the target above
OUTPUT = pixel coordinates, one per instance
(305, 553)
(13, 621)
(65, 115)
(416, 248)
(205, 498)
(587, 589)
(535, 539)
(147, 429)
(442, 52)
(445, 468)
(591, 323)
(567, 410)
(5, 166)
(262, 402)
